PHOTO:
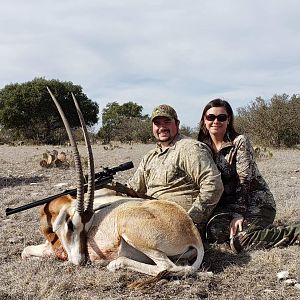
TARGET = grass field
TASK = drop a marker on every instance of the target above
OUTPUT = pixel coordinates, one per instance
(249, 275)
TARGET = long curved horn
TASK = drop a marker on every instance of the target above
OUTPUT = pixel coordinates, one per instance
(91, 168)
(78, 166)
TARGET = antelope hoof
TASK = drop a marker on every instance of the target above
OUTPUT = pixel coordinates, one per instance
(115, 265)
(24, 254)
(27, 254)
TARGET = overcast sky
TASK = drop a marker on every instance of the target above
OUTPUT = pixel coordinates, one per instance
(182, 53)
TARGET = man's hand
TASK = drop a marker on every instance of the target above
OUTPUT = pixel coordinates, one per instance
(236, 225)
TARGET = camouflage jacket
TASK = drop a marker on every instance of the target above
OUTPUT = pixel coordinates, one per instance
(184, 173)
(245, 190)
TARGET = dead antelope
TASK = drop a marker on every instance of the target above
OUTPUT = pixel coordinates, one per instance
(147, 236)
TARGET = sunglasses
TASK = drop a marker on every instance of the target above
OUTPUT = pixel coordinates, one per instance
(220, 117)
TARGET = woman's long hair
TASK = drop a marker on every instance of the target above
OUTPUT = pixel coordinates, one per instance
(231, 133)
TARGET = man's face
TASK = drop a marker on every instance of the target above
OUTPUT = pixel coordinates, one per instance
(164, 129)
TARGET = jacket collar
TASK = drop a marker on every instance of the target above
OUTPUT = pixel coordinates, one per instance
(225, 144)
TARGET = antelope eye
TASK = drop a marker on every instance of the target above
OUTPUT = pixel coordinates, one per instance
(70, 225)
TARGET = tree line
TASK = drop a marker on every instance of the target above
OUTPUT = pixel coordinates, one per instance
(27, 113)
(274, 123)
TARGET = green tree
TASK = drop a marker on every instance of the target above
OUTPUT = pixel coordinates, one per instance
(271, 123)
(188, 131)
(29, 112)
(289, 121)
(124, 123)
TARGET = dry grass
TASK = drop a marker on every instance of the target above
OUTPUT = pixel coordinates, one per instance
(245, 276)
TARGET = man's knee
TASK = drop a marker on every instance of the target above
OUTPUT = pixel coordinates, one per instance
(217, 228)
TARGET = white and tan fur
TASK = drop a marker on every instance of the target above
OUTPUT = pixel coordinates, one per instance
(147, 236)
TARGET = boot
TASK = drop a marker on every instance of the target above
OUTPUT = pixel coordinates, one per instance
(266, 238)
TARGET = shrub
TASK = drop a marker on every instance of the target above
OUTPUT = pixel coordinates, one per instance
(273, 123)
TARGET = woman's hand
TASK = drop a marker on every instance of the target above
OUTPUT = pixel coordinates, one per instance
(236, 225)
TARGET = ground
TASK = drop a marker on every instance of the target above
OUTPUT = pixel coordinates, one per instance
(249, 275)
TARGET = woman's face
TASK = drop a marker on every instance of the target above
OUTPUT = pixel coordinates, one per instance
(216, 121)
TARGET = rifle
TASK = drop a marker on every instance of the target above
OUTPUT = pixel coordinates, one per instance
(101, 179)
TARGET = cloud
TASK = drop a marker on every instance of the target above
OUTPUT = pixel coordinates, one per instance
(183, 53)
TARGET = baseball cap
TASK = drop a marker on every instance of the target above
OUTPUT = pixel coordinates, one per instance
(164, 110)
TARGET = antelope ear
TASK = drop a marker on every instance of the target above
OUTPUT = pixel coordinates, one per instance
(59, 219)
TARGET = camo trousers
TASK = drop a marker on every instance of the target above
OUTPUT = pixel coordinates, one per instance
(258, 231)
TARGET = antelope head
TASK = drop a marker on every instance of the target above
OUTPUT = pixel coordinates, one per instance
(73, 221)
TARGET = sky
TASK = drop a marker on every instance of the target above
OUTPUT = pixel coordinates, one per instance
(181, 53)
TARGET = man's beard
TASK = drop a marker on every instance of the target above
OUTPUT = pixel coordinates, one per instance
(168, 139)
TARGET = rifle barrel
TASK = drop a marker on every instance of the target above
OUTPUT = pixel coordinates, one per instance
(10, 211)
(101, 179)
(98, 185)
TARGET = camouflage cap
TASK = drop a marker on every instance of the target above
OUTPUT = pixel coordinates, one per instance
(164, 110)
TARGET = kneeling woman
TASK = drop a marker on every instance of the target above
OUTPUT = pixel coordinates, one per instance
(247, 209)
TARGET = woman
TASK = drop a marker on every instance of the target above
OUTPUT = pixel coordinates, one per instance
(247, 208)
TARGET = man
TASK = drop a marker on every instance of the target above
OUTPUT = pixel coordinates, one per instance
(179, 169)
